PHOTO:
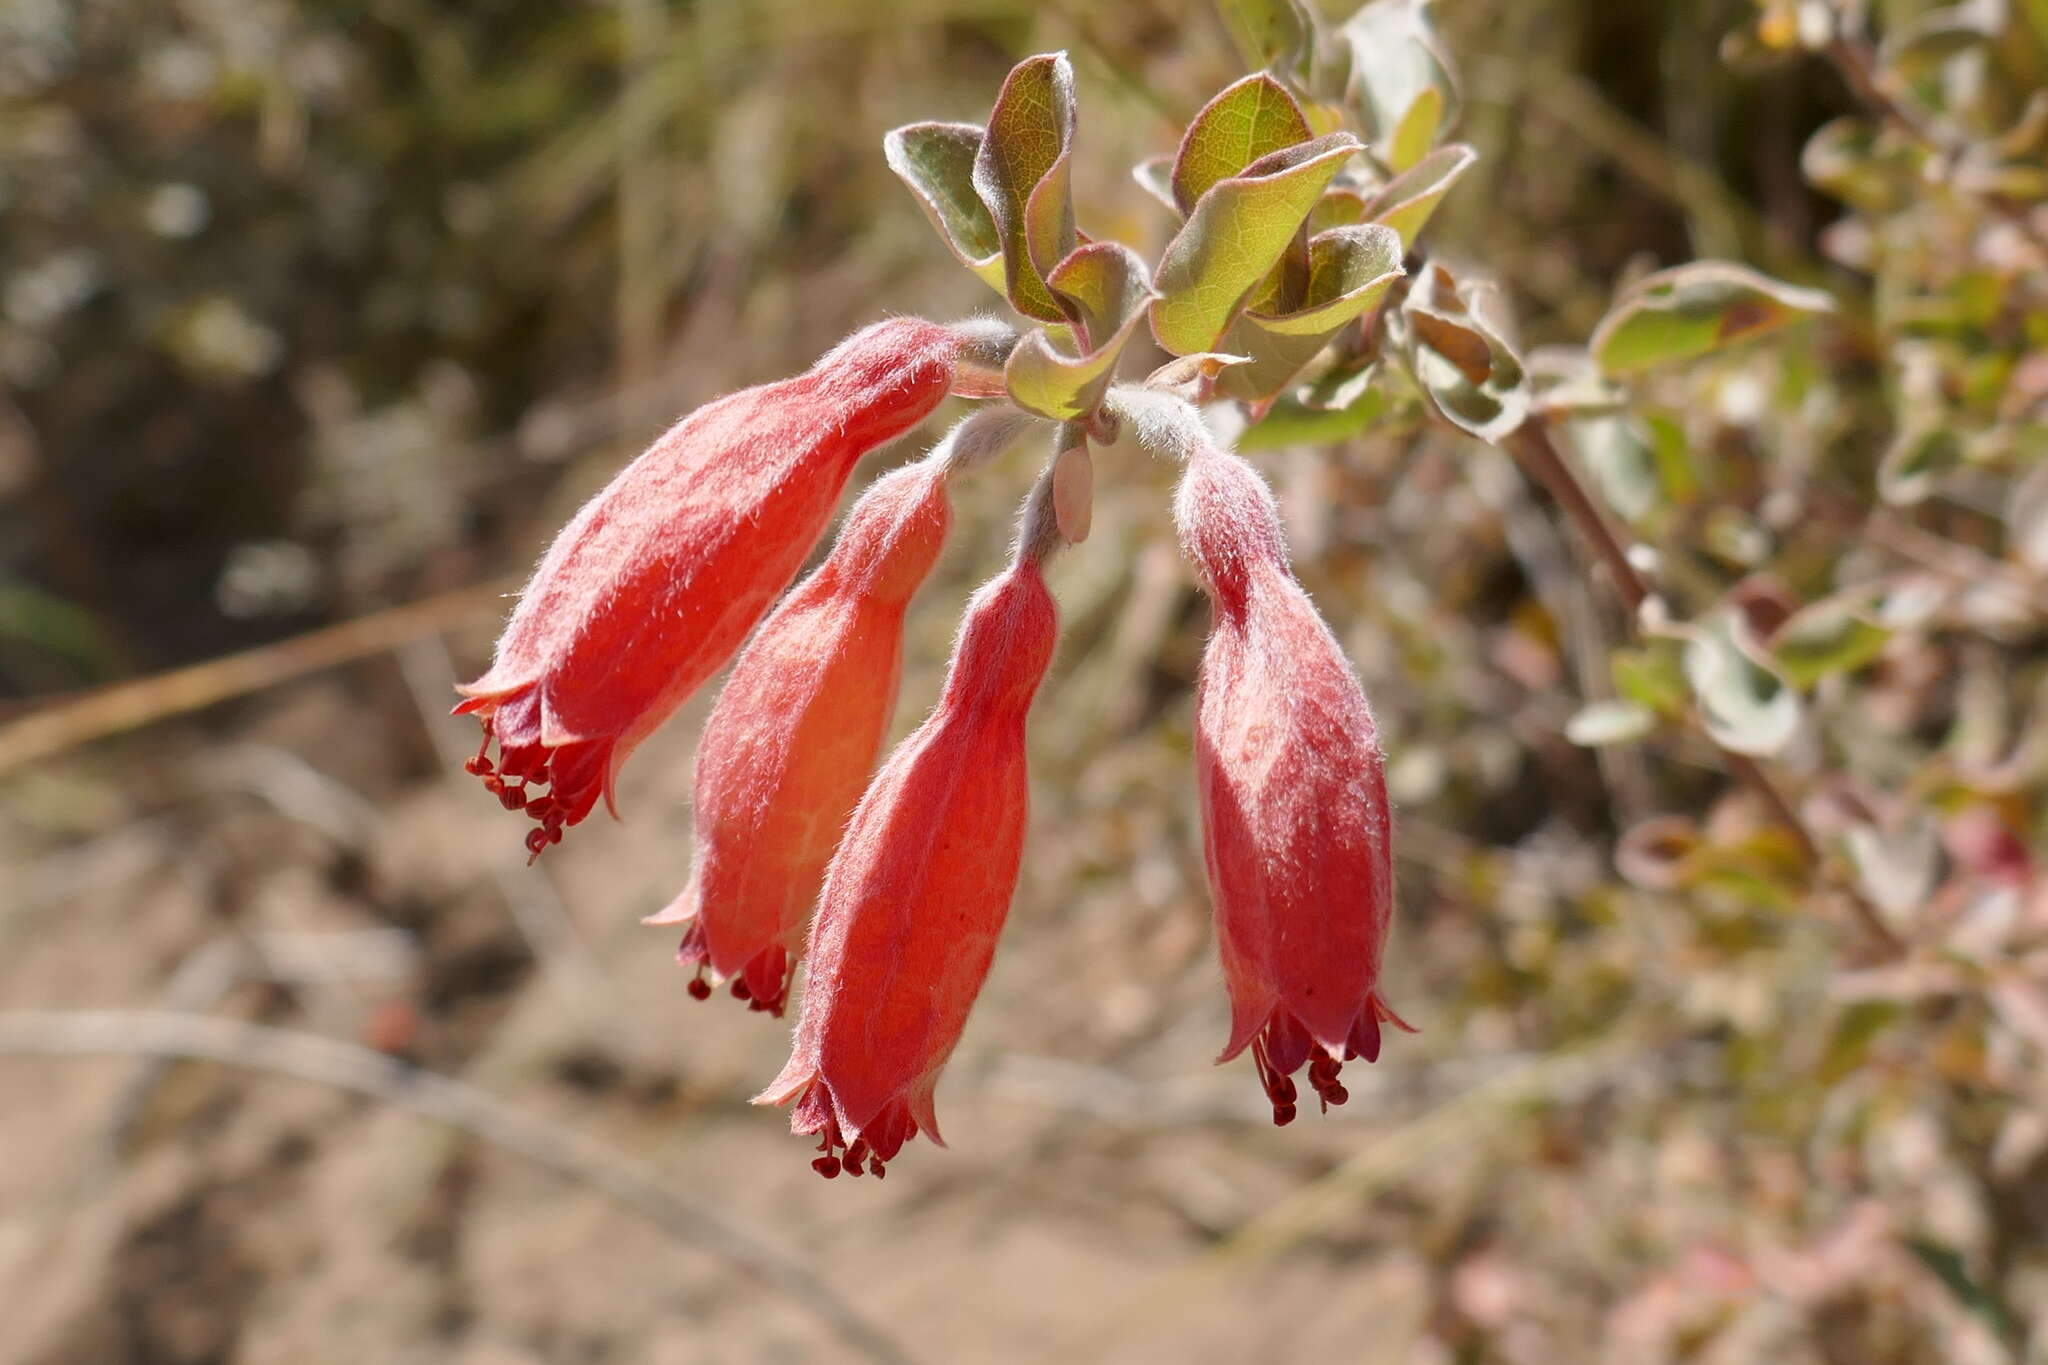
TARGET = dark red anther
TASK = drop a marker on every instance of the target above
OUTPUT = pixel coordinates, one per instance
(656, 581)
(1322, 1074)
(699, 988)
(855, 1156)
(740, 992)
(1283, 1114)
(827, 1166)
(512, 798)
(536, 843)
(877, 1168)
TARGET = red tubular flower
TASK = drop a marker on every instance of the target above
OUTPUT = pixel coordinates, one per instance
(794, 735)
(917, 892)
(1295, 823)
(653, 584)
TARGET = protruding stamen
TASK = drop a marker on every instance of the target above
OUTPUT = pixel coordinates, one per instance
(1279, 1088)
(831, 1163)
(1322, 1074)
(699, 988)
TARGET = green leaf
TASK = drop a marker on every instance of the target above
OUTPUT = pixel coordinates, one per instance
(1847, 159)
(1747, 707)
(1569, 387)
(1675, 467)
(1652, 674)
(1617, 452)
(1349, 270)
(1896, 867)
(1344, 386)
(1278, 35)
(1189, 376)
(1400, 83)
(1834, 635)
(1609, 722)
(1948, 1266)
(1021, 174)
(1062, 373)
(1416, 133)
(2026, 519)
(1939, 60)
(1103, 288)
(1339, 207)
(1919, 457)
(1406, 202)
(1291, 422)
(1236, 233)
(936, 160)
(1155, 176)
(57, 627)
(1689, 310)
(1469, 371)
(1849, 1041)
(1252, 118)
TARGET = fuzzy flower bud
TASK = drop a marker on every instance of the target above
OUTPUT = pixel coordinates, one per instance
(1295, 823)
(794, 735)
(655, 582)
(918, 890)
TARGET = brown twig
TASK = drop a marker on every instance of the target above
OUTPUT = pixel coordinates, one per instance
(65, 724)
(1537, 454)
(1533, 449)
(1856, 59)
(328, 1061)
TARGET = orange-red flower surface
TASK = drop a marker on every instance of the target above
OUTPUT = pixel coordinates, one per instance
(1294, 798)
(918, 890)
(793, 738)
(655, 582)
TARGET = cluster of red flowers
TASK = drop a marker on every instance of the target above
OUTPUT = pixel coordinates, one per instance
(911, 865)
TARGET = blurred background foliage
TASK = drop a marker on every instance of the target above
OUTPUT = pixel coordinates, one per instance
(312, 309)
